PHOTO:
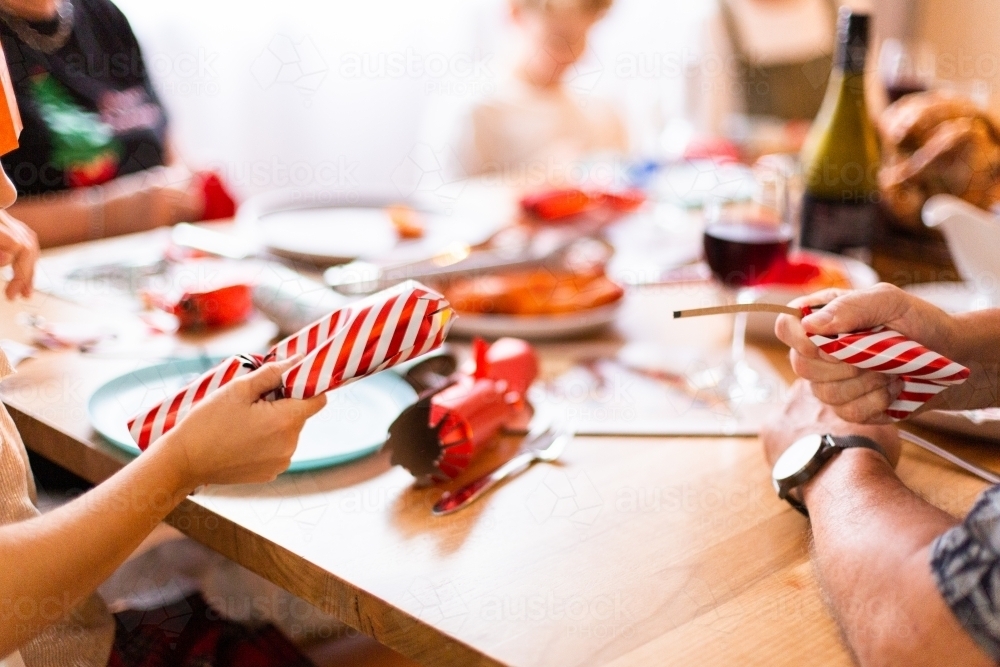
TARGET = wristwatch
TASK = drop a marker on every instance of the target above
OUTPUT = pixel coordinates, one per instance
(806, 457)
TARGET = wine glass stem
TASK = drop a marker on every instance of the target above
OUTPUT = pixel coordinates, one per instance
(739, 338)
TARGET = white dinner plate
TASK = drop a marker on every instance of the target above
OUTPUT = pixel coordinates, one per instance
(353, 424)
(327, 232)
(984, 424)
(956, 297)
(328, 235)
(536, 327)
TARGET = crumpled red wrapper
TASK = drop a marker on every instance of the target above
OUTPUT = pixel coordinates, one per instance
(219, 200)
(439, 437)
(212, 308)
(564, 204)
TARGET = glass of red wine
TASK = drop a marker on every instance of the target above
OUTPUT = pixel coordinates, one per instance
(906, 67)
(742, 241)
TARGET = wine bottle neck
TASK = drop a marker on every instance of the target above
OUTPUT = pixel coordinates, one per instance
(851, 57)
(852, 40)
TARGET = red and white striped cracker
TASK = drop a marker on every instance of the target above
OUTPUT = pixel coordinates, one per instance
(366, 337)
(380, 331)
(147, 426)
(925, 373)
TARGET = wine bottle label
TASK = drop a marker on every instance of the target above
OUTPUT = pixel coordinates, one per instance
(835, 225)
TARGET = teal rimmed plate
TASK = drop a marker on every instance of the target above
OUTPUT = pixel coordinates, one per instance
(353, 424)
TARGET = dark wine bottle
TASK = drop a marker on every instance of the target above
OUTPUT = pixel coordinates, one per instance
(840, 158)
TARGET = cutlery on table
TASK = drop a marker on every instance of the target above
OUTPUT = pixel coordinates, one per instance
(458, 260)
(545, 446)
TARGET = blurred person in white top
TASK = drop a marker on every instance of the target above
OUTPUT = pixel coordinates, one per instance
(533, 123)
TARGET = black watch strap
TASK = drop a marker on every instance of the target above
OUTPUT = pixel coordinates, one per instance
(854, 441)
(840, 442)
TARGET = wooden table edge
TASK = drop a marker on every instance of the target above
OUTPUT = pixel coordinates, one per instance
(367, 614)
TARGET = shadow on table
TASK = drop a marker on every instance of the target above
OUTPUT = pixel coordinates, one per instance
(411, 511)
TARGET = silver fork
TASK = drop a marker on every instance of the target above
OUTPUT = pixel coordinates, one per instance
(545, 447)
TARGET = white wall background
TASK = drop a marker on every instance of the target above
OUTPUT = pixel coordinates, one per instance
(333, 93)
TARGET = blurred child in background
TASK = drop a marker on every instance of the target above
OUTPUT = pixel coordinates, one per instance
(534, 123)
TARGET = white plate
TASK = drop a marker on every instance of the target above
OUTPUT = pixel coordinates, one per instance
(328, 235)
(353, 424)
(984, 424)
(760, 326)
(536, 327)
(692, 183)
(955, 297)
(322, 230)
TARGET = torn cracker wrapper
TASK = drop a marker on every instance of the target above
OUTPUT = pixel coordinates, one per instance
(438, 438)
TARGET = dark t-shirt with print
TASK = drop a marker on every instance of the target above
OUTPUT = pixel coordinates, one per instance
(90, 112)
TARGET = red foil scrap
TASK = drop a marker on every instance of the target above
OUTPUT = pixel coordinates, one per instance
(223, 307)
(563, 204)
(461, 418)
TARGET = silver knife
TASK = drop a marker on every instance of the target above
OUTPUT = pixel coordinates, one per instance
(554, 444)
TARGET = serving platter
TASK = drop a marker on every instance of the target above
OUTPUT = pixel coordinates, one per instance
(760, 326)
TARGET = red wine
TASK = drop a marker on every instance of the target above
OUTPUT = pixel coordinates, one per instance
(739, 253)
(902, 88)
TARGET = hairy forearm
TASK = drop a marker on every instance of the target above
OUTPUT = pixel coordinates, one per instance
(133, 203)
(872, 537)
(54, 561)
(975, 336)
(971, 340)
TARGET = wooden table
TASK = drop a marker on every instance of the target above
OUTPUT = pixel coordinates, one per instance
(634, 551)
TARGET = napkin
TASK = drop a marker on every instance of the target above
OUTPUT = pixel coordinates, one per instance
(361, 339)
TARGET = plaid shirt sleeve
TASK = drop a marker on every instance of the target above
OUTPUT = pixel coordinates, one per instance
(966, 566)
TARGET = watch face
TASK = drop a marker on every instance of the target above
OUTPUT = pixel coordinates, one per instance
(797, 457)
